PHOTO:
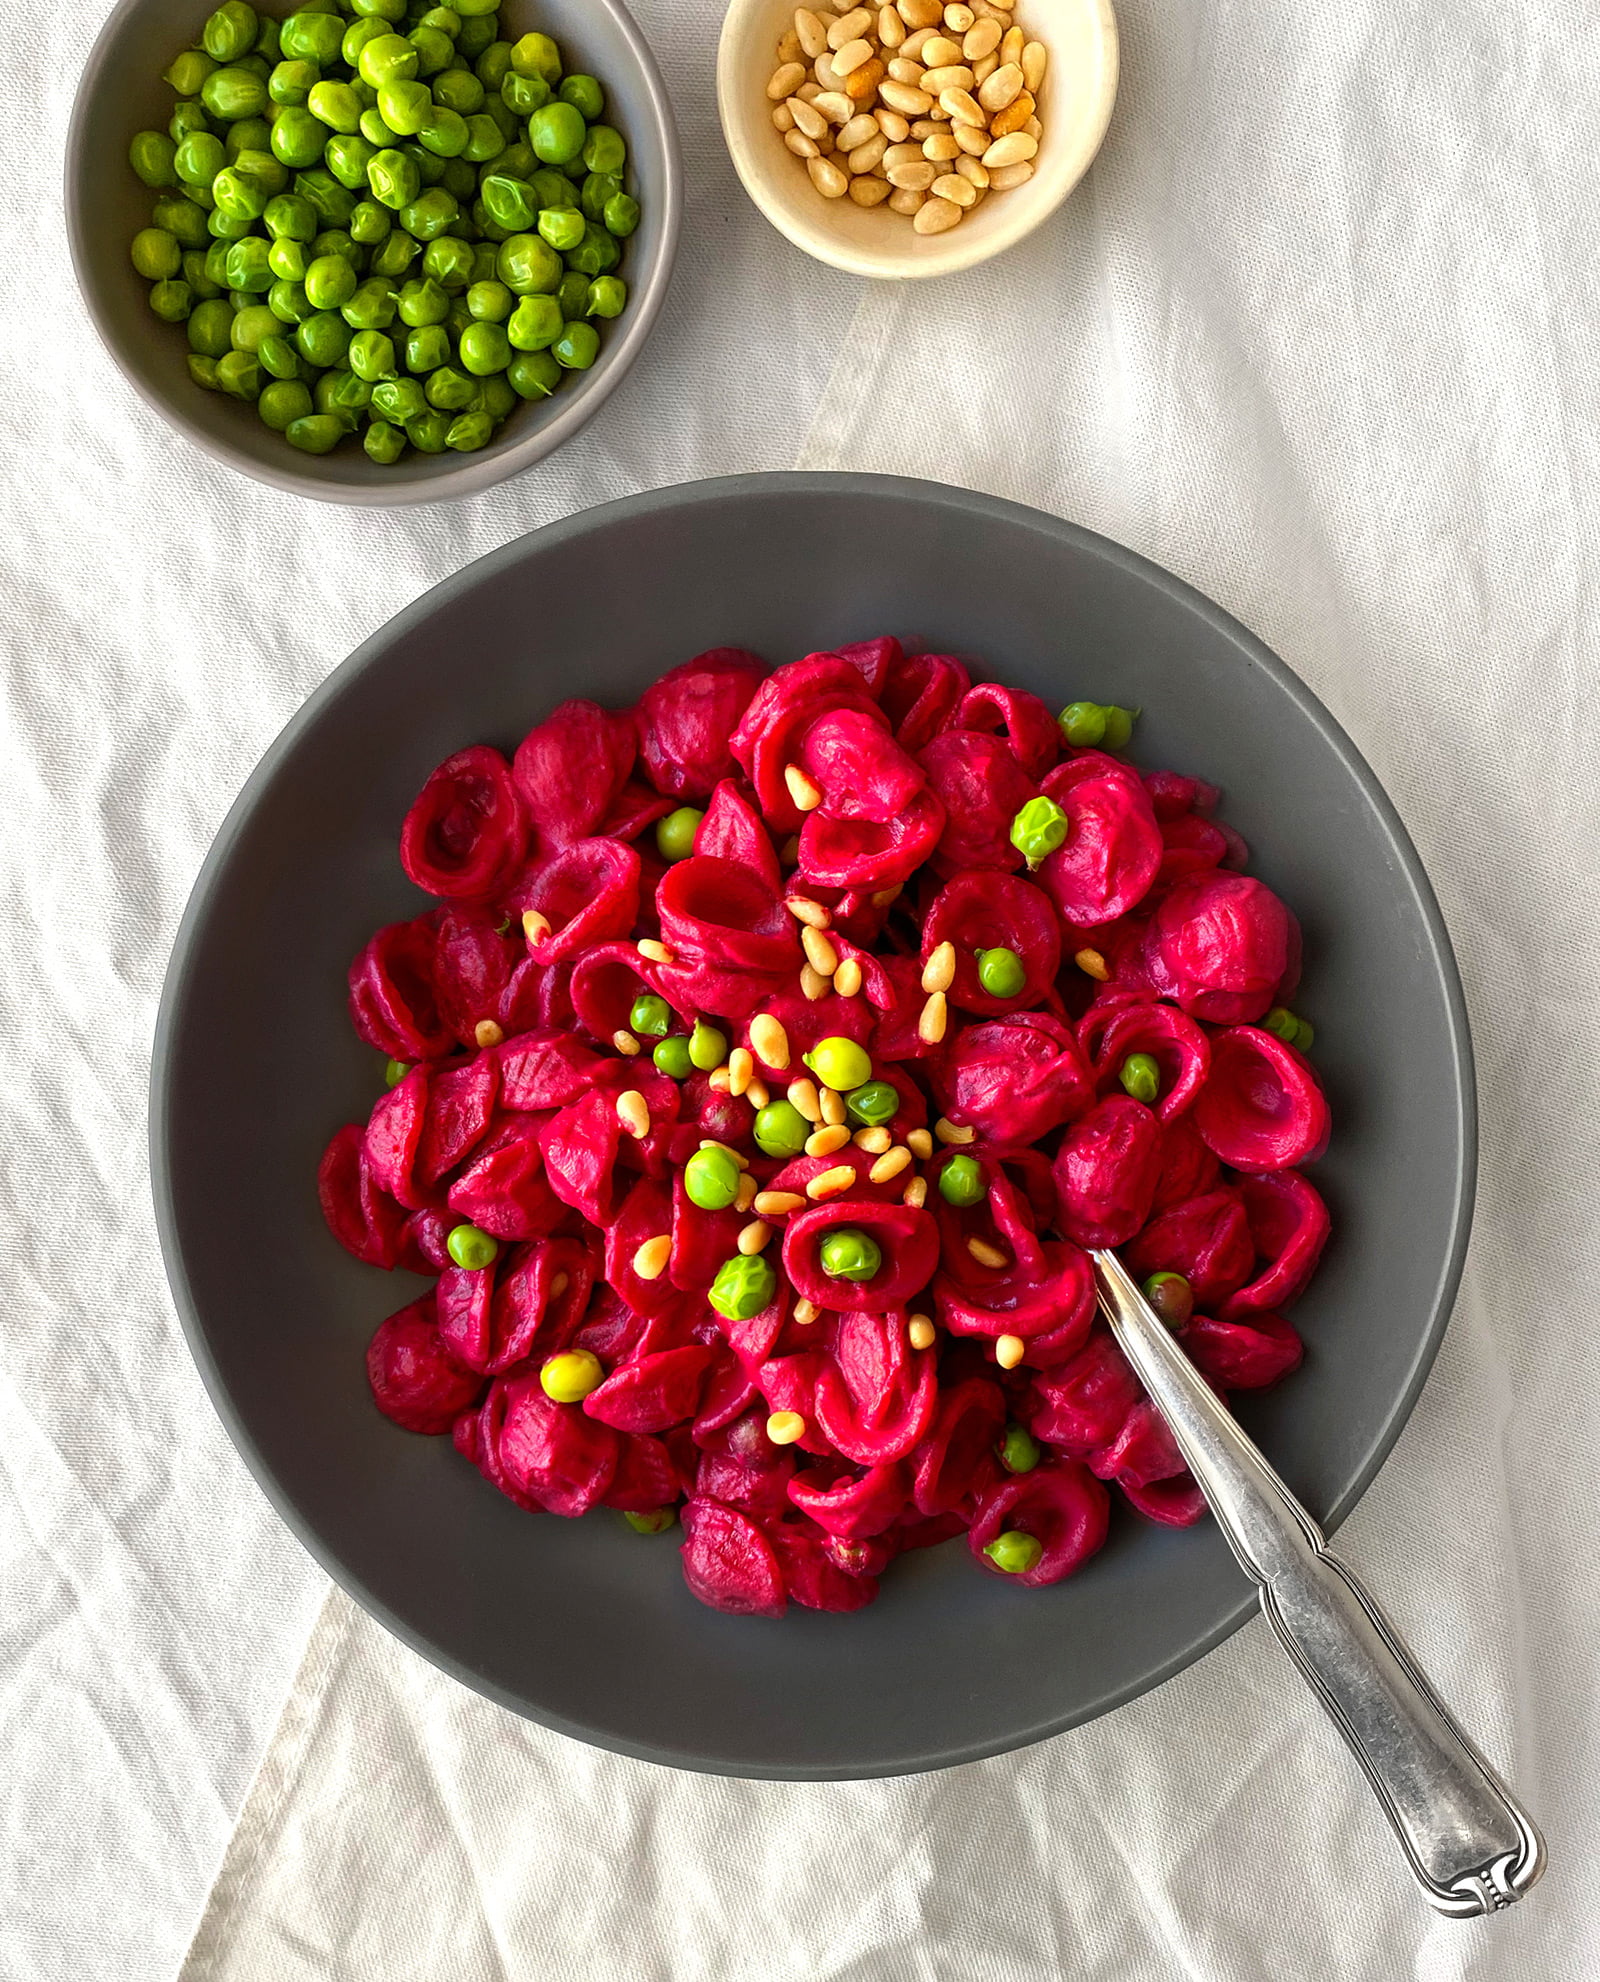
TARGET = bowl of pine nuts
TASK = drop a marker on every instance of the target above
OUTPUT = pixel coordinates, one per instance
(918, 138)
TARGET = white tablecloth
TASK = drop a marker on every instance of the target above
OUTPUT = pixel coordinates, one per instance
(1318, 334)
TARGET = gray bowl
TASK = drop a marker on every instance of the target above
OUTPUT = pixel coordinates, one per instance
(122, 93)
(583, 1625)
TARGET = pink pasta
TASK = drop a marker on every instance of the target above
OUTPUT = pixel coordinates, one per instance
(755, 1155)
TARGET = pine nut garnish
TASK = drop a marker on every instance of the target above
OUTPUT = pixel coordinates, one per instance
(820, 953)
(874, 1141)
(789, 852)
(486, 1033)
(889, 1165)
(1009, 1351)
(947, 1131)
(802, 1094)
(785, 81)
(920, 1332)
(756, 1093)
(814, 985)
(939, 972)
(777, 1204)
(1092, 964)
(653, 952)
(805, 1312)
(915, 1193)
(650, 1261)
(534, 925)
(754, 1236)
(746, 1197)
(786, 1427)
(833, 1110)
(1035, 60)
(727, 1150)
(633, 1112)
(717, 1080)
(806, 792)
(920, 1143)
(825, 1141)
(625, 1043)
(986, 1254)
(803, 909)
(935, 1017)
(740, 1068)
(829, 1183)
(559, 1285)
(847, 978)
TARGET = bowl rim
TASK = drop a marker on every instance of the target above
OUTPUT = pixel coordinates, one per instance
(948, 254)
(823, 484)
(473, 473)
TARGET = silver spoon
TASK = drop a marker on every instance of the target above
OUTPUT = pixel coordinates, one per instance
(1470, 1844)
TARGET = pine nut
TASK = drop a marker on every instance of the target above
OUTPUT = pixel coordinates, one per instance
(848, 27)
(925, 128)
(834, 105)
(893, 126)
(801, 145)
(785, 80)
(902, 71)
(915, 43)
(1092, 964)
(1009, 1351)
(1035, 60)
(654, 952)
(1034, 128)
(861, 85)
(803, 909)
(789, 852)
(1002, 86)
(756, 1093)
(935, 1013)
(1012, 43)
(974, 171)
(802, 1094)
(754, 1236)
(809, 92)
(825, 1141)
(920, 1332)
(805, 1312)
(972, 138)
(747, 1192)
(958, 191)
(486, 1033)
(919, 13)
(961, 108)
(856, 133)
(941, 148)
(727, 1149)
(915, 178)
(939, 972)
(829, 181)
(650, 1261)
(770, 1041)
(873, 1141)
(807, 118)
(915, 1193)
(985, 67)
(785, 1427)
(939, 80)
(813, 985)
(534, 925)
(920, 1143)
(633, 1112)
(947, 1132)
(869, 192)
(903, 201)
(959, 17)
(1006, 178)
(813, 36)
(986, 10)
(891, 29)
(833, 1110)
(789, 49)
(717, 1080)
(820, 953)
(981, 39)
(909, 102)
(826, 74)
(804, 791)
(1013, 117)
(777, 1204)
(850, 58)
(986, 1254)
(783, 118)
(866, 157)
(938, 52)
(889, 1165)
(625, 1043)
(829, 1183)
(559, 1285)
(740, 1068)
(906, 154)
(847, 978)
(1015, 148)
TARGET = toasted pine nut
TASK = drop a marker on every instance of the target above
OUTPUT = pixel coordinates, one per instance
(652, 951)
(1002, 86)
(486, 1033)
(912, 178)
(891, 29)
(868, 191)
(919, 13)
(805, 1312)
(1015, 148)
(849, 58)
(974, 171)
(902, 97)
(785, 1427)
(986, 1254)
(820, 953)
(936, 1012)
(800, 145)
(861, 85)
(893, 126)
(633, 1112)
(903, 200)
(740, 1067)
(829, 1183)
(852, 136)
(829, 181)
(785, 80)
(961, 108)
(874, 1140)
(754, 1236)
(920, 1143)
(770, 1041)
(1092, 964)
(789, 49)
(847, 978)
(802, 1094)
(756, 1093)
(958, 191)
(915, 1193)
(1009, 1351)
(889, 1165)
(813, 36)
(805, 792)
(834, 105)
(939, 972)
(981, 39)
(746, 1195)
(947, 1131)
(920, 1332)
(777, 1204)
(866, 158)
(972, 138)
(941, 148)
(1009, 176)
(534, 925)
(1012, 43)
(706, 1142)
(807, 118)
(1014, 117)
(717, 1080)
(825, 1141)
(903, 70)
(1035, 60)
(959, 76)
(959, 17)
(650, 1261)
(852, 23)
(783, 118)
(832, 1107)
(625, 1043)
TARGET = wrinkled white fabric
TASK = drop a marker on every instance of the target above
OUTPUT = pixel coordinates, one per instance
(1318, 335)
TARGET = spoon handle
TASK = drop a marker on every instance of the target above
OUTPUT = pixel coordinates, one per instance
(1470, 1844)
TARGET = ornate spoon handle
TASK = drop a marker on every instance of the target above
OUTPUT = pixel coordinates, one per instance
(1471, 1845)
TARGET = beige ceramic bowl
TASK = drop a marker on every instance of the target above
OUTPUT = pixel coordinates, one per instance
(1075, 102)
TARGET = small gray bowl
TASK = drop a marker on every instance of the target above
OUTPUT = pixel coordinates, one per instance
(122, 93)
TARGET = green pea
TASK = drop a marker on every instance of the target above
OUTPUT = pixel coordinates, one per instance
(528, 266)
(211, 329)
(1001, 973)
(405, 106)
(241, 299)
(287, 302)
(781, 1130)
(744, 1286)
(342, 392)
(874, 1104)
(1171, 1296)
(435, 51)
(562, 226)
(572, 293)
(550, 187)
(277, 355)
(249, 265)
(493, 64)
(478, 31)
(183, 221)
(156, 254)
(848, 1253)
(291, 217)
(675, 833)
(372, 357)
(1018, 1450)
(450, 263)
(334, 203)
(596, 254)
(961, 1181)
(238, 196)
(193, 270)
(485, 259)
(187, 118)
(472, 1249)
(604, 149)
(152, 154)
(536, 55)
(445, 133)
(1083, 724)
(383, 443)
(621, 215)
(711, 1179)
(1293, 1031)
(204, 372)
(430, 214)
(650, 1015)
(576, 349)
(450, 391)
(257, 164)
(445, 19)
(429, 432)
(189, 72)
(288, 260)
(348, 158)
(394, 178)
(229, 94)
(370, 223)
(198, 158)
(266, 42)
(485, 139)
(840, 1063)
(598, 187)
(671, 1057)
(311, 37)
(374, 306)
(510, 201)
(523, 95)
(485, 349)
(459, 90)
(557, 134)
(430, 170)
(708, 1047)
(252, 326)
(1015, 1552)
(395, 253)
(400, 401)
(282, 403)
(385, 58)
(323, 339)
(330, 282)
(569, 1377)
(383, 10)
(230, 32)
(460, 181)
(239, 374)
(172, 300)
(358, 37)
(228, 226)
(291, 83)
(490, 302)
(423, 302)
(1141, 1076)
(217, 263)
(533, 374)
(336, 105)
(428, 347)
(656, 1522)
(1119, 726)
(1038, 829)
(585, 95)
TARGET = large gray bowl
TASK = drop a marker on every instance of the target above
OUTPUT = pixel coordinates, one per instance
(584, 1625)
(122, 93)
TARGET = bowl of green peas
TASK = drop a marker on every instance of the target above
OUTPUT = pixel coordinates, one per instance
(374, 251)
